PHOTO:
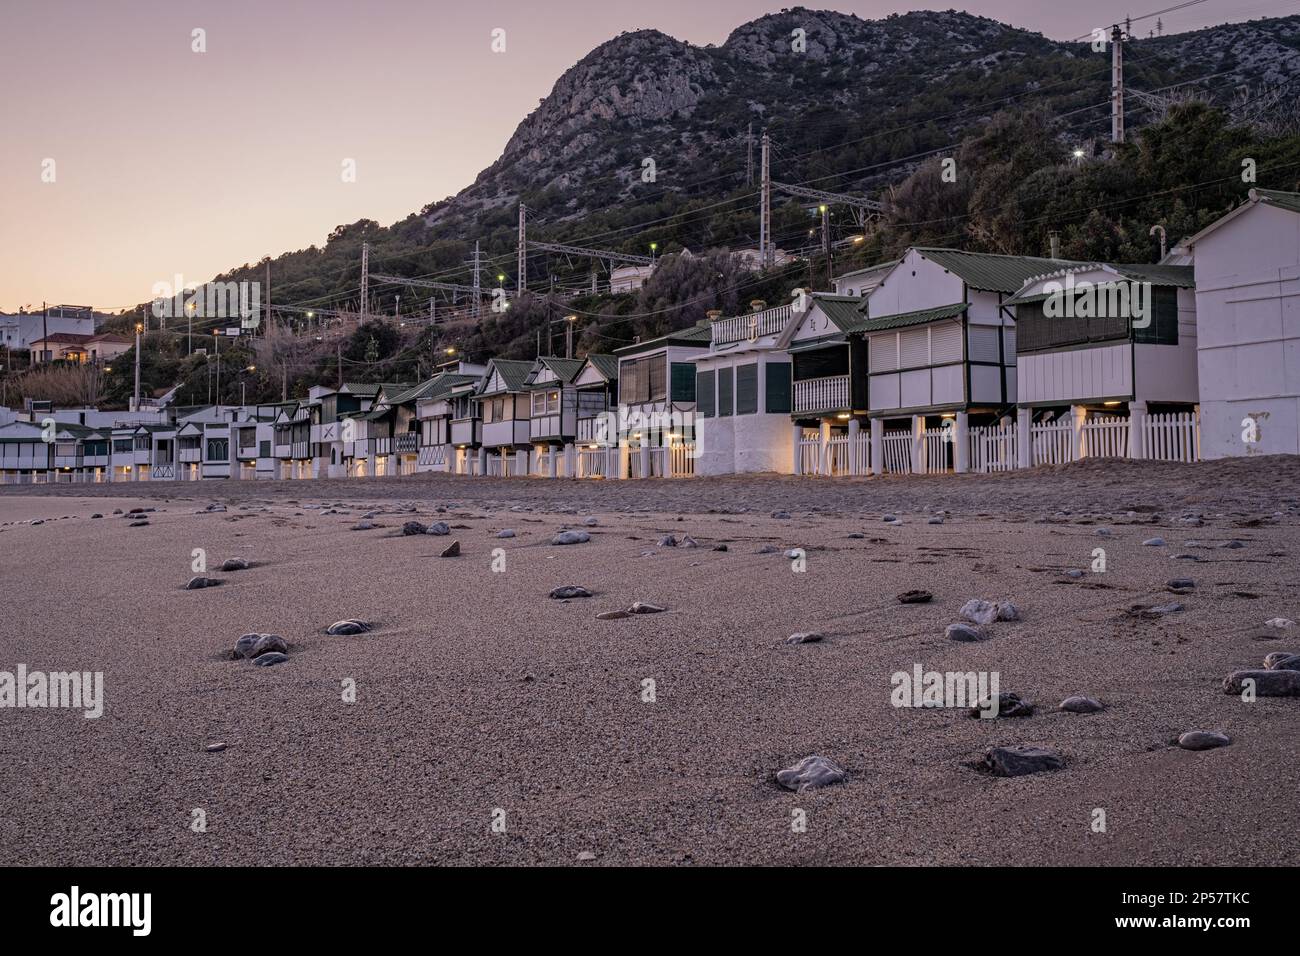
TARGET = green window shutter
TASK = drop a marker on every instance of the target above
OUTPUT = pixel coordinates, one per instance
(747, 389)
(705, 395)
(1162, 328)
(683, 382)
(726, 392)
(264, 449)
(778, 388)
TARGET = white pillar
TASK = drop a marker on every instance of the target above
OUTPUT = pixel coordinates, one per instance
(1137, 415)
(1024, 446)
(1078, 415)
(918, 444)
(961, 449)
(824, 448)
(552, 461)
(570, 460)
(877, 446)
(854, 428)
(645, 458)
(623, 464)
(796, 435)
(482, 460)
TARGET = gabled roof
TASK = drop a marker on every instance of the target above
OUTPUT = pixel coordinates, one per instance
(514, 374)
(1181, 277)
(905, 319)
(878, 267)
(1267, 197)
(606, 365)
(991, 272)
(840, 309)
(564, 369)
(361, 388)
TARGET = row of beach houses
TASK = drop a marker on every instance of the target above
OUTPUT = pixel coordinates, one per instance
(940, 361)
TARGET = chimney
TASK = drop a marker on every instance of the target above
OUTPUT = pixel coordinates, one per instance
(758, 305)
(1054, 241)
(713, 315)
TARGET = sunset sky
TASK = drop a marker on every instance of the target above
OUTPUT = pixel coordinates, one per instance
(169, 161)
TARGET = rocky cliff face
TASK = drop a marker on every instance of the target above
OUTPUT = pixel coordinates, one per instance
(825, 80)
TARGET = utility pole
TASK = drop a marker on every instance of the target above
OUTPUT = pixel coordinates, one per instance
(216, 344)
(135, 402)
(266, 326)
(45, 332)
(749, 155)
(826, 241)
(1116, 84)
(478, 285)
(522, 281)
(568, 335)
(340, 355)
(284, 382)
(433, 316)
(765, 212)
(365, 278)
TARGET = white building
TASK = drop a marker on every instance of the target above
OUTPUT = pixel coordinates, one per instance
(1248, 327)
(743, 394)
(657, 404)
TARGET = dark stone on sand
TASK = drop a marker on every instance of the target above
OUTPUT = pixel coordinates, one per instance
(1155, 610)
(1154, 543)
(1203, 740)
(915, 596)
(810, 773)
(1080, 705)
(719, 547)
(363, 526)
(348, 627)
(255, 645)
(440, 527)
(198, 581)
(1180, 584)
(1232, 545)
(269, 660)
(688, 542)
(781, 514)
(564, 592)
(1020, 760)
(215, 748)
(1282, 661)
(234, 564)
(855, 535)
(138, 524)
(668, 541)
(965, 633)
(1267, 683)
(612, 615)
(767, 549)
(1009, 705)
(644, 607)
(413, 527)
(1074, 573)
(451, 551)
(96, 515)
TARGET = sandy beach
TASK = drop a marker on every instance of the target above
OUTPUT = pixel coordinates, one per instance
(479, 699)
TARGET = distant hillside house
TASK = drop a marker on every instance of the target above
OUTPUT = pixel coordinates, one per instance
(21, 330)
(81, 349)
(1248, 327)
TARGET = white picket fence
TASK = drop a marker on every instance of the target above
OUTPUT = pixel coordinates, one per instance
(1171, 438)
(994, 448)
(1105, 437)
(681, 459)
(897, 448)
(1052, 443)
(936, 444)
(592, 462)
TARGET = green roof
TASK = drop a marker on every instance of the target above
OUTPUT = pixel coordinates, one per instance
(905, 319)
(692, 335)
(606, 365)
(840, 309)
(1275, 197)
(514, 373)
(564, 368)
(990, 272)
(867, 270)
(361, 388)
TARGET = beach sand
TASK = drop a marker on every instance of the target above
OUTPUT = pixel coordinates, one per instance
(479, 699)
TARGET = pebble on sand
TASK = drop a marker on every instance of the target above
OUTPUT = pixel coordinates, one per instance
(1203, 740)
(1281, 623)
(441, 527)
(364, 526)
(810, 773)
(451, 551)
(915, 596)
(506, 533)
(254, 645)
(215, 748)
(1282, 661)
(269, 660)
(566, 591)
(644, 607)
(1154, 543)
(571, 537)
(804, 637)
(781, 514)
(139, 524)
(612, 615)
(412, 527)
(348, 627)
(1020, 760)
(198, 581)
(986, 612)
(591, 522)
(1267, 683)
(668, 541)
(234, 564)
(964, 633)
(1009, 705)
(586, 856)
(1079, 704)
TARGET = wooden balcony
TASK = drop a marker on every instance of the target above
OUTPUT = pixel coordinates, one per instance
(829, 394)
(755, 325)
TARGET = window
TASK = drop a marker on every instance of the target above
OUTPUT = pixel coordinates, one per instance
(1162, 327)
(747, 389)
(1036, 330)
(778, 388)
(726, 391)
(705, 396)
(644, 380)
(683, 382)
(264, 449)
(546, 403)
(218, 449)
(122, 444)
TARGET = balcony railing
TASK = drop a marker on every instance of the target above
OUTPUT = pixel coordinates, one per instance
(739, 328)
(829, 394)
(407, 443)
